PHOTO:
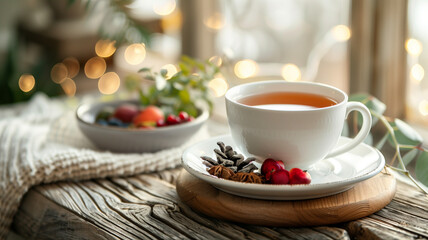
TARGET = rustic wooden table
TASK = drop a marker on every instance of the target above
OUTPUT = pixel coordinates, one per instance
(147, 206)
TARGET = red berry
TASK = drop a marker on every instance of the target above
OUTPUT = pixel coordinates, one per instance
(280, 176)
(190, 119)
(172, 120)
(298, 176)
(268, 167)
(160, 123)
(126, 112)
(184, 116)
(281, 163)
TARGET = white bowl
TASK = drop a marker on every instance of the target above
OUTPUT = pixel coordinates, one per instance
(118, 139)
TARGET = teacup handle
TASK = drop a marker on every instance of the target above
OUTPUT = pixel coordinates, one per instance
(362, 134)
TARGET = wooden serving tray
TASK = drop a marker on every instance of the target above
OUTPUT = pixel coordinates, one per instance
(362, 200)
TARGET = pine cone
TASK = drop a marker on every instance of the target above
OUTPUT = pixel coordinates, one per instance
(229, 158)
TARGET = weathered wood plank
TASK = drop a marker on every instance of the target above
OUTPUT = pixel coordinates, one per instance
(144, 206)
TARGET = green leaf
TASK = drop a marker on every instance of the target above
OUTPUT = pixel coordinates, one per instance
(409, 156)
(421, 168)
(144, 100)
(184, 96)
(160, 82)
(404, 134)
(163, 72)
(144, 70)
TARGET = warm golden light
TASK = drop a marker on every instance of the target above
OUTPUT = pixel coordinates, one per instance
(291, 73)
(214, 21)
(246, 68)
(59, 72)
(109, 83)
(414, 47)
(73, 66)
(216, 60)
(173, 21)
(135, 53)
(26, 82)
(69, 87)
(95, 67)
(171, 70)
(219, 86)
(423, 107)
(105, 48)
(341, 33)
(164, 8)
(417, 72)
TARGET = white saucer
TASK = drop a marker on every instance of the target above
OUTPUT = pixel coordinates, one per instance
(329, 176)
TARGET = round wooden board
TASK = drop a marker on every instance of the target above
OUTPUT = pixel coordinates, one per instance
(362, 200)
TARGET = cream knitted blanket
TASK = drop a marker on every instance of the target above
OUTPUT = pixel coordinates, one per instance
(40, 143)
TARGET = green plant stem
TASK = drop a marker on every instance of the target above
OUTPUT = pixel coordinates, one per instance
(397, 151)
(394, 139)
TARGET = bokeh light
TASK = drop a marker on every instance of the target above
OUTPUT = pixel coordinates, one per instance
(109, 83)
(135, 53)
(173, 21)
(414, 47)
(216, 60)
(164, 7)
(219, 86)
(246, 68)
(72, 65)
(423, 107)
(341, 33)
(214, 21)
(59, 72)
(171, 70)
(26, 82)
(291, 73)
(417, 72)
(95, 67)
(69, 87)
(105, 48)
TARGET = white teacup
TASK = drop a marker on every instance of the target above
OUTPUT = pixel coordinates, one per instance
(299, 137)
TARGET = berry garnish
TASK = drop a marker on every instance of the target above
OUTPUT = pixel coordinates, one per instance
(269, 166)
(280, 176)
(298, 176)
(184, 116)
(126, 112)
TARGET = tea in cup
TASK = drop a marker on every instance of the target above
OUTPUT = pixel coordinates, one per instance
(297, 122)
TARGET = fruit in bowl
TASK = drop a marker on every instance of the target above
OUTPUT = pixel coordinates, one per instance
(122, 126)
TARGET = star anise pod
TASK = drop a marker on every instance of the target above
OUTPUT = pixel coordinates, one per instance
(227, 157)
(221, 172)
(247, 177)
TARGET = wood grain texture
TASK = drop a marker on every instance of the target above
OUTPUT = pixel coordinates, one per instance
(147, 207)
(364, 199)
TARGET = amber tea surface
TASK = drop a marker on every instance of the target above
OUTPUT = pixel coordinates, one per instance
(288, 101)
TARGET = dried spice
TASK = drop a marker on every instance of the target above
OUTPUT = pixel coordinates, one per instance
(247, 177)
(221, 172)
(229, 158)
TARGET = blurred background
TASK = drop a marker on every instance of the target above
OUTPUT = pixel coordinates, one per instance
(69, 48)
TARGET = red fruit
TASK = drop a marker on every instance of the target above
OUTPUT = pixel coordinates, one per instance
(190, 119)
(280, 176)
(160, 123)
(281, 163)
(149, 114)
(125, 112)
(298, 176)
(268, 167)
(184, 116)
(172, 119)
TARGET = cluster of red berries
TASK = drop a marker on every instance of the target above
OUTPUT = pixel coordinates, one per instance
(274, 172)
(171, 119)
